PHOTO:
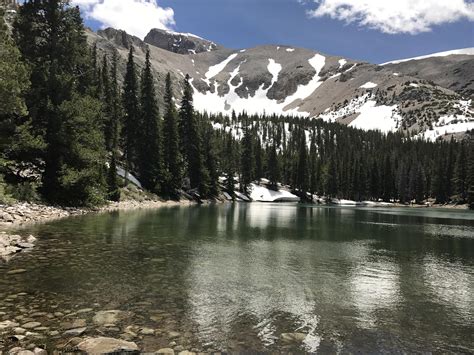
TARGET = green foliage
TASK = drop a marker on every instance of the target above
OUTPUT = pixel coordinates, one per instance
(14, 75)
(191, 142)
(131, 119)
(172, 158)
(150, 164)
(81, 175)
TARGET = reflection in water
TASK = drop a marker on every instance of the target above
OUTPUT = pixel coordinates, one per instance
(237, 276)
(375, 285)
(453, 284)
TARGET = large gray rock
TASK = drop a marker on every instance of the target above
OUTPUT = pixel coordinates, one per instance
(103, 345)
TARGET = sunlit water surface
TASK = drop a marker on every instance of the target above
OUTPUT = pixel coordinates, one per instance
(235, 277)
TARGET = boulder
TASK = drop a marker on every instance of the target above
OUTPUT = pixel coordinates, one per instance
(103, 345)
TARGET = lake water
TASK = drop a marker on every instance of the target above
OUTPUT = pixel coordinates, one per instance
(235, 277)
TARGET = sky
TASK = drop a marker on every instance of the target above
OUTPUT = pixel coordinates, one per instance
(375, 31)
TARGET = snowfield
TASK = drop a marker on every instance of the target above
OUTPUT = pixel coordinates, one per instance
(370, 116)
(263, 194)
(464, 51)
(368, 85)
(259, 103)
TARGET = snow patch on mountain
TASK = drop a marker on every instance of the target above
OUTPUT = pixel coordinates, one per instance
(452, 124)
(290, 49)
(259, 103)
(370, 116)
(216, 69)
(464, 51)
(383, 118)
(368, 85)
(342, 62)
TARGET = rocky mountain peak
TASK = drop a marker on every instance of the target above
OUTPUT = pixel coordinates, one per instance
(181, 43)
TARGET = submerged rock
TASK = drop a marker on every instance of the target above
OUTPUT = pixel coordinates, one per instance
(75, 331)
(292, 338)
(103, 345)
(112, 317)
(31, 325)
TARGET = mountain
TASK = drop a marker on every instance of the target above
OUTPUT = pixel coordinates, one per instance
(431, 99)
(452, 70)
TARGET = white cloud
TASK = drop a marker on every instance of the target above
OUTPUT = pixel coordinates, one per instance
(136, 17)
(396, 16)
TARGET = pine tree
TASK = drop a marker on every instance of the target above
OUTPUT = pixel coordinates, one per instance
(302, 167)
(50, 36)
(191, 142)
(171, 152)
(470, 175)
(211, 161)
(229, 155)
(460, 174)
(247, 160)
(14, 75)
(150, 145)
(131, 120)
(273, 167)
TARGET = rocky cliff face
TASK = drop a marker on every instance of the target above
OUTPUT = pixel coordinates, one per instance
(429, 99)
(181, 43)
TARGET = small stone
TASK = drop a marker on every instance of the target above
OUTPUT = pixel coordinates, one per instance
(109, 317)
(103, 345)
(173, 335)
(178, 348)
(292, 338)
(31, 325)
(54, 333)
(84, 310)
(19, 330)
(58, 314)
(166, 351)
(78, 323)
(75, 332)
(39, 351)
(173, 343)
(147, 331)
(16, 271)
(8, 324)
(186, 352)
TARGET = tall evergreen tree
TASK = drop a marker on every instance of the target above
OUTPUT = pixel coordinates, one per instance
(131, 120)
(14, 75)
(302, 167)
(247, 159)
(229, 156)
(171, 152)
(470, 176)
(273, 167)
(191, 142)
(50, 36)
(150, 145)
(114, 113)
(460, 174)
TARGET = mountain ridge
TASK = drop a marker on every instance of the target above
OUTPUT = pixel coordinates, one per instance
(300, 82)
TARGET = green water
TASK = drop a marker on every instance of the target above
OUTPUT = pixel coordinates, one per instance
(235, 277)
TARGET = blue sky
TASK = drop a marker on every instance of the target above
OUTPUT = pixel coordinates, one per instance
(377, 32)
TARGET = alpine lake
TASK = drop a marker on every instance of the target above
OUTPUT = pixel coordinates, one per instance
(250, 277)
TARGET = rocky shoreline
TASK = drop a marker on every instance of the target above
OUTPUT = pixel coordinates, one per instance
(25, 213)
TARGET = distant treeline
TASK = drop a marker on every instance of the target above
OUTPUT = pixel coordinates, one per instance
(66, 123)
